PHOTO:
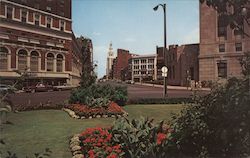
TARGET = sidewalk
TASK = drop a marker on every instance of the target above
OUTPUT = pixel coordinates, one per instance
(170, 87)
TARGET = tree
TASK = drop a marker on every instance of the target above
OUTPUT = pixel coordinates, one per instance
(245, 64)
(235, 19)
(88, 76)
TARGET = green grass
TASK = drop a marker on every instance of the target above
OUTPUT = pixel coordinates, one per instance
(33, 131)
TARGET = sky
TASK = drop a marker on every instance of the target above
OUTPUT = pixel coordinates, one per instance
(134, 25)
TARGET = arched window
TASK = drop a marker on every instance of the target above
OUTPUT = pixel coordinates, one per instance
(22, 59)
(59, 61)
(3, 58)
(50, 62)
(34, 56)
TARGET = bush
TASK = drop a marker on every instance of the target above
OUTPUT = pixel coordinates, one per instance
(216, 125)
(161, 101)
(139, 138)
(83, 95)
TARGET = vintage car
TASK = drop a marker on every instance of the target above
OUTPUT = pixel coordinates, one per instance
(40, 87)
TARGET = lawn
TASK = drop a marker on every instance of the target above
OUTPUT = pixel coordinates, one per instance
(33, 131)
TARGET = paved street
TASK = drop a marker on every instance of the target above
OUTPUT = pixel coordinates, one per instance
(58, 97)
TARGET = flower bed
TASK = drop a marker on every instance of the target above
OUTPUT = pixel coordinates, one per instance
(83, 111)
(99, 142)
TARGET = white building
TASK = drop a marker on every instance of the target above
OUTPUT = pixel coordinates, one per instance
(144, 68)
(110, 60)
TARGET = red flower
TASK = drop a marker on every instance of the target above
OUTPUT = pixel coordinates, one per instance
(91, 154)
(112, 156)
(160, 138)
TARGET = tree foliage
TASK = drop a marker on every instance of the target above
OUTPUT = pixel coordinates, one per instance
(236, 18)
(88, 76)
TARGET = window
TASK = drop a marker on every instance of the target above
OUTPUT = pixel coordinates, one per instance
(222, 26)
(143, 66)
(238, 47)
(48, 22)
(221, 47)
(136, 67)
(3, 58)
(34, 56)
(48, 8)
(22, 59)
(50, 62)
(24, 16)
(222, 69)
(150, 60)
(62, 25)
(136, 61)
(9, 12)
(59, 61)
(37, 19)
(143, 61)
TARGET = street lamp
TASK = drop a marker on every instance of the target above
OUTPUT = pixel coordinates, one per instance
(165, 45)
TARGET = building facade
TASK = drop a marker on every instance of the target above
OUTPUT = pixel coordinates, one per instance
(220, 46)
(36, 37)
(182, 64)
(120, 63)
(143, 68)
(110, 60)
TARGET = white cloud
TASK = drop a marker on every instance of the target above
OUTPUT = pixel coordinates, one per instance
(97, 33)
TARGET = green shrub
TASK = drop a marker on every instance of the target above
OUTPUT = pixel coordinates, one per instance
(95, 91)
(139, 138)
(217, 125)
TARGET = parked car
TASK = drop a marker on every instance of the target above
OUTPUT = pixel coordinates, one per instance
(63, 87)
(130, 82)
(40, 87)
(7, 88)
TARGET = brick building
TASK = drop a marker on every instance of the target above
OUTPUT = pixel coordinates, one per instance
(182, 62)
(37, 36)
(220, 46)
(120, 63)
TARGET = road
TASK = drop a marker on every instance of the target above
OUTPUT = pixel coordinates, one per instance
(59, 97)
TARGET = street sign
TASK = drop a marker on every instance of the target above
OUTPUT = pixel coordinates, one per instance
(164, 69)
(164, 74)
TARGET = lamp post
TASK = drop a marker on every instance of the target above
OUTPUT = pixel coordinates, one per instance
(165, 45)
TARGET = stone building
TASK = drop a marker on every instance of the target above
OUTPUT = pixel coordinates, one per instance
(182, 63)
(220, 46)
(36, 36)
(143, 68)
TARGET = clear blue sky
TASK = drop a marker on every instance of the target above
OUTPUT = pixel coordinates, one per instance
(134, 25)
